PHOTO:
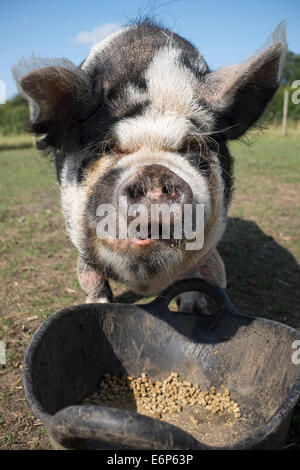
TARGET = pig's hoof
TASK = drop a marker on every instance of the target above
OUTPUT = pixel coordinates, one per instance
(192, 302)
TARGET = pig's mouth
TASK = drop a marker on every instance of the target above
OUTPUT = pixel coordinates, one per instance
(142, 241)
(146, 240)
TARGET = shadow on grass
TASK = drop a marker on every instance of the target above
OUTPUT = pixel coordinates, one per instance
(263, 280)
(128, 297)
(263, 277)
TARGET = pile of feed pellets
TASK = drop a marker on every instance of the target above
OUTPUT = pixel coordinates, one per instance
(158, 398)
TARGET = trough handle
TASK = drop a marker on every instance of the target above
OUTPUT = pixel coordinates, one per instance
(100, 427)
(196, 284)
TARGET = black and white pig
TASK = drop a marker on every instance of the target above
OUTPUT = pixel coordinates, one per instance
(144, 117)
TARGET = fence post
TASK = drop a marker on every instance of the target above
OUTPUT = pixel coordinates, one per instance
(285, 111)
(31, 112)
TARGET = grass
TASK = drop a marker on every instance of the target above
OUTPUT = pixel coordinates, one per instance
(261, 250)
(261, 247)
(267, 186)
(15, 141)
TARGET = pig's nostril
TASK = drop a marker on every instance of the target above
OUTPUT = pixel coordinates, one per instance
(168, 188)
(155, 184)
(171, 192)
(174, 195)
(135, 192)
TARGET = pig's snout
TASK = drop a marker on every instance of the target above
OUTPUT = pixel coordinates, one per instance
(156, 184)
(155, 187)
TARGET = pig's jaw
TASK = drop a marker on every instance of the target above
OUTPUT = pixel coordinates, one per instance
(145, 275)
(148, 269)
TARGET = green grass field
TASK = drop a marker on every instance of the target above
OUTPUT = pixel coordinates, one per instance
(261, 250)
(8, 142)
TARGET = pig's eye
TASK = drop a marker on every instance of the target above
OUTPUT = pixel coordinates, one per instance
(117, 149)
(190, 145)
(112, 147)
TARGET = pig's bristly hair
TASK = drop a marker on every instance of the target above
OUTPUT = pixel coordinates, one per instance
(25, 66)
(59, 97)
(238, 93)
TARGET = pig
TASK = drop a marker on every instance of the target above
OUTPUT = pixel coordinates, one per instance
(143, 117)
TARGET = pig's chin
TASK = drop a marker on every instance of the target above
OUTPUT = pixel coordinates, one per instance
(141, 262)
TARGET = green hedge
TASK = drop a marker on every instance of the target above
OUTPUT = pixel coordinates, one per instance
(13, 116)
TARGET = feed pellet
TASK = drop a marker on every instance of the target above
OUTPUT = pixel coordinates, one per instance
(157, 398)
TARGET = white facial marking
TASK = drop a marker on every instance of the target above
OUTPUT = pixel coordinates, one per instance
(152, 129)
(172, 91)
(173, 87)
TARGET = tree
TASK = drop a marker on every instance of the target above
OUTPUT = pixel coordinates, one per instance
(291, 72)
(13, 115)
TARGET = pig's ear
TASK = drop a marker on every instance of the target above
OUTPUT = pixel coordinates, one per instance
(239, 93)
(59, 98)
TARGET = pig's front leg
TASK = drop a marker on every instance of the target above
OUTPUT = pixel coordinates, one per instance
(213, 271)
(93, 283)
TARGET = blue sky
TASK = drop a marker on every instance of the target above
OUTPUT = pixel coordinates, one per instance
(224, 31)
